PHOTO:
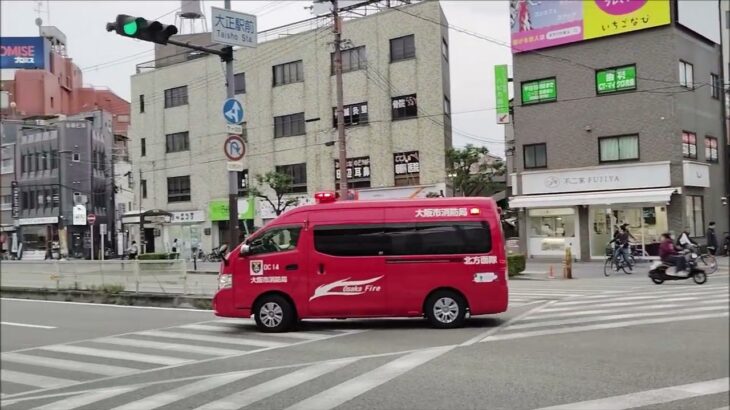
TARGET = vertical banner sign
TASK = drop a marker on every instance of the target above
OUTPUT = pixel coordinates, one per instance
(501, 81)
(16, 199)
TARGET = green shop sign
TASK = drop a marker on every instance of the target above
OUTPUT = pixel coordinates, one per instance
(218, 209)
(539, 91)
(612, 80)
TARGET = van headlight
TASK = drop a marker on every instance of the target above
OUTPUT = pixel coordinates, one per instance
(225, 280)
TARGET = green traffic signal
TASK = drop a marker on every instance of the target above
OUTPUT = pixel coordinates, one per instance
(131, 28)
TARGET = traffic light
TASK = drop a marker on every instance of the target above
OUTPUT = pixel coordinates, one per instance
(142, 29)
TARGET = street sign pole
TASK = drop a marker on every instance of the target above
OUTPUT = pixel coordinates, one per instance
(92, 242)
(232, 175)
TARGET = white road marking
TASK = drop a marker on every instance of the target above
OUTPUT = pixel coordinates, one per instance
(520, 335)
(186, 391)
(72, 365)
(503, 325)
(206, 311)
(633, 300)
(33, 379)
(233, 331)
(272, 387)
(27, 325)
(356, 386)
(85, 399)
(649, 397)
(116, 354)
(125, 341)
(214, 339)
(550, 315)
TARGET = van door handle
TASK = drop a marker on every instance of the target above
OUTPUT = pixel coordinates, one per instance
(293, 266)
(320, 271)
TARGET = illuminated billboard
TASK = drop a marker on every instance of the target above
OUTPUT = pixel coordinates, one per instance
(539, 24)
(24, 52)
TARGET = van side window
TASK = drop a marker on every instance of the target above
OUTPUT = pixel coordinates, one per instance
(349, 240)
(439, 238)
(276, 240)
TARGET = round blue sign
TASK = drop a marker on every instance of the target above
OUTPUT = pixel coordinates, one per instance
(233, 111)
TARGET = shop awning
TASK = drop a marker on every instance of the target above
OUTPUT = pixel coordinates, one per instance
(634, 196)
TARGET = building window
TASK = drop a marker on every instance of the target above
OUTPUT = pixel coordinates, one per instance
(289, 125)
(611, 80)
(445, 49)
(686, 75)
(695, 215)
(176, 96)
(715, 86)
(711, 153)
(622, 148)
(298, 174)
(353, 59)
(689, 145)
(143, 187)
(179, 141)
(143, 146)
(358, 172)
(535, 155)
(539, 91)
(178, 189)
(402, 48)
(447, 106)
(288, 73)
(55, 199)
(141, 103)
(76, 157)
(355, 114)
(405, 106)
(243, 183)
(54, 159)
(239, 83)
(406, 168)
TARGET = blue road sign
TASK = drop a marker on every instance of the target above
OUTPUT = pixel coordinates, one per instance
(233, 111)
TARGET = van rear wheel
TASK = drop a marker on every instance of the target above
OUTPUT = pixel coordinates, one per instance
(274, 314)
(446, 310)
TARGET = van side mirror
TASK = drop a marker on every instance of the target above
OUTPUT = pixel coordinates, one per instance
(222, 252)
(245, 249)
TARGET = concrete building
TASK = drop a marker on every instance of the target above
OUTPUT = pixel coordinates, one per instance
(396, 90)
(626, 128)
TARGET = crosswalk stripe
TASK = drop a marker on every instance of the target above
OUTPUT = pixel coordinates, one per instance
(272, 387)
(644, 297)
(292, 335)
(561, 306)
(103, 369)
(520, 335)
(354, 387)
(149, 344)
(36, 380)
(70, 403)
(115, 354)
(649, 397)
(186, 391)
(549, 315)
(613, 317)
(215, 339)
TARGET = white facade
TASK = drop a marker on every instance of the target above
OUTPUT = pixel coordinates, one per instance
(425, 75)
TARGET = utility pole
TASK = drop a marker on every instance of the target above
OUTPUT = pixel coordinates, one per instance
(340, 110)
(141, 216)
(232, 175)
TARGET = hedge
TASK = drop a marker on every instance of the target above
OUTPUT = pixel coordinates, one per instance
(515, 264)
(158, 256)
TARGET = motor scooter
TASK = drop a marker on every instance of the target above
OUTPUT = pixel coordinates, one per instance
(660, 272)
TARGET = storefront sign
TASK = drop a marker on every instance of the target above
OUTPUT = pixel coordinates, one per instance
(39, 221)
(24, 52)
(539, 91)
(617, 79)
(187, 216)
(696, 174)
(406, 163)
(79, 215)
(501, 81)
(649, 175)
(356, 168)
(219, 211)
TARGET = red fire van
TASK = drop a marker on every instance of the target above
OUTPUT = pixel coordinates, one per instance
(438, 258)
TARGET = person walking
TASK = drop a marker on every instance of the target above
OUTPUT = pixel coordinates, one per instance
(174, 245)
(711, 237)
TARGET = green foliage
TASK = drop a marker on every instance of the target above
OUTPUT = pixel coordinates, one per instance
(470, 173)
(516, 264)
(281, 184)
(107, 288)
(158, 256)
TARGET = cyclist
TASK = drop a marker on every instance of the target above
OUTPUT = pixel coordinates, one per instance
(622, 240)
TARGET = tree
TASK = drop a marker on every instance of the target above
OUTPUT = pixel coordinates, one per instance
(281, 185)
(470, 171)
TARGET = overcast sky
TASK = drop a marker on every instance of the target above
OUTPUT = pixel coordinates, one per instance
(109, 60)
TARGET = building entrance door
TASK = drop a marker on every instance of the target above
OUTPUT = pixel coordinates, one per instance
(149, 239)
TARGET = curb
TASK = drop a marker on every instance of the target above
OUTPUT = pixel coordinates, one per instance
(124, 298)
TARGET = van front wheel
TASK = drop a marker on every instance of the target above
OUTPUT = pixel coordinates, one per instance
(274, 314)
(446, 310)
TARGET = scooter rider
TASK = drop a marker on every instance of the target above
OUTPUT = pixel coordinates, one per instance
(669, 256)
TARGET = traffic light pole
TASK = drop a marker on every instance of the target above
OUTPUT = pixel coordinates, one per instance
(232, 175)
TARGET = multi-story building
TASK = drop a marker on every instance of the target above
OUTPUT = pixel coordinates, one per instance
(396, 91)
(623, 128)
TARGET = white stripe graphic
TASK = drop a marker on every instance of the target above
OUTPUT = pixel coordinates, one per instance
(214, 339)
(186, 391)
(613, 317)
(520, 335)
(272, 387)
(85, 399)
(27, 325)
(649, 397)
(115, 354)
(233, 331)
(352, 388)
(103, 369)
(33, 379)
(640, 303)
(211, 351)
(619, 310)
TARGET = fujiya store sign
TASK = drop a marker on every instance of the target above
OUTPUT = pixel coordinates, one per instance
(649, 175)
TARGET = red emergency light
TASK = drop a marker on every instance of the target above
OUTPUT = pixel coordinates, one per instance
(325, 197)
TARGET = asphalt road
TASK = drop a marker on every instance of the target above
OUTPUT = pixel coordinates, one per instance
(609, 343)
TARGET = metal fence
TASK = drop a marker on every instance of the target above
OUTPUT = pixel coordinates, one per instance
(148, 276)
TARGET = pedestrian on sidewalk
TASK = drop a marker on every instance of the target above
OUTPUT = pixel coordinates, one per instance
(711, 238)
(132, 251)
(174, 245)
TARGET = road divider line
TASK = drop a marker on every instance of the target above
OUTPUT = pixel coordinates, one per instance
(148, 344)
(356, 386)
(521, 335)
(214, 339)
(649, 397)
(275, 386)
(33, 379)
(94, 368)
(186, 391)
(723, 301)
(27, 325)
(116, 354)
(85, 399)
